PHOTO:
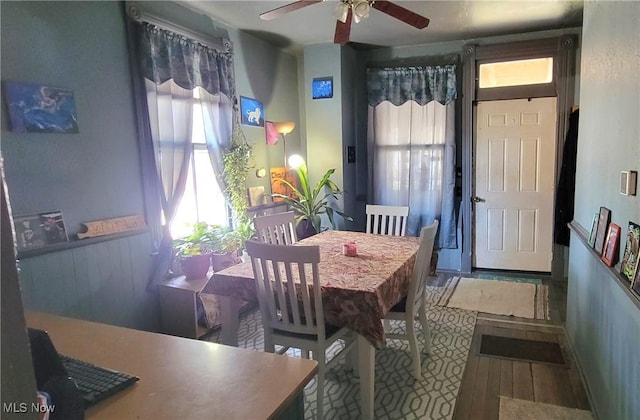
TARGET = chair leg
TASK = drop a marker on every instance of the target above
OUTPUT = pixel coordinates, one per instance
(413, 345)
(320, 385)
(269, 346)
(426, 331)
(386, 324)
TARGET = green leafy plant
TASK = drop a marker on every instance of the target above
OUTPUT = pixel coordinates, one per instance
(310, 203)
(208, 239)
(236, 166)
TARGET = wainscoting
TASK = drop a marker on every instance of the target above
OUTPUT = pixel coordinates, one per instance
(103, 282)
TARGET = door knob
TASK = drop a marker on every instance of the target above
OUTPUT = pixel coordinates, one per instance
(477, 200)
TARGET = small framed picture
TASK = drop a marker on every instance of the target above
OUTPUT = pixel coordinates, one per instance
(39, 230)
(252, 112)
(604, 218)
(635, 284)
(594, 230)
(610, 251)
(631, 251)
(322, 88)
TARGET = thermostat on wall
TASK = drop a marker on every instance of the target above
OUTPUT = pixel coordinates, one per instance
(628, 181)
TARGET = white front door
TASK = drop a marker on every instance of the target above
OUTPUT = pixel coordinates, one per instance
(514, 174)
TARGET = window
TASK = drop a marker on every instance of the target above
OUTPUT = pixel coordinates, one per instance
(516, 73)
(202, 200)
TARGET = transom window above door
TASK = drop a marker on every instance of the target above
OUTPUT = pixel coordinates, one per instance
(515, 73)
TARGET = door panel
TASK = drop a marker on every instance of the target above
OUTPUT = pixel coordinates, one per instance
(514, 174)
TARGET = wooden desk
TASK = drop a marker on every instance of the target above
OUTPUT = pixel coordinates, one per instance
(179, 377)
(357, 292)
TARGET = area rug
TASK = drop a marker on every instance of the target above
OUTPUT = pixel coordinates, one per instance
(521, 349)
(515, 409)
(397, 394)
(523, 300)
(509, 278)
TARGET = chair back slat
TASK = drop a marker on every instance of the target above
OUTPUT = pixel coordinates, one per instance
(387, 220)
(288, 286)
(422, 265)
(279, 228)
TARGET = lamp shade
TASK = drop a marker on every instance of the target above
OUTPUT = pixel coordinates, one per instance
(284, 127)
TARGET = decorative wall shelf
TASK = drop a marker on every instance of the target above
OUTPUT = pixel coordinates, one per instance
(614, 272)
(76, 244)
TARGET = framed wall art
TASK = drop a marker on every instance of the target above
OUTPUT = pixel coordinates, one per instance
(41, 109)
(38, 230)
(594, 230)
(610, 251)
(322, 88)
(631, 251)
(635, 284)
(604, 218)
(252, 112)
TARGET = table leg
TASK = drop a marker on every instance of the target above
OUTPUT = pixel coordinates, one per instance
(366, 368)
(229, 320)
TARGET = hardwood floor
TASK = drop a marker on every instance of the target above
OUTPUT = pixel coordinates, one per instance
(486, 378)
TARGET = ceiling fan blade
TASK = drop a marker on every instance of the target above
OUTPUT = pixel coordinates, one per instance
(272, 14)
(400, 13)
(343, 30)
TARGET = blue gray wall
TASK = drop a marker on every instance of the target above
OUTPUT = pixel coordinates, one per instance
(96, 174)
(603, 322)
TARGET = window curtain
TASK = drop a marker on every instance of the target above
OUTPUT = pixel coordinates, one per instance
(172, 66)
(411, 139)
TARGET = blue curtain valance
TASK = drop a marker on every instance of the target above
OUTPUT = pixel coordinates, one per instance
(165, 55)
(422, 84)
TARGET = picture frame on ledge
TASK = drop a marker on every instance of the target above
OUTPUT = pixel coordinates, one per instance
(635, 284)
(594, 230)
(610, 251)
(604, 218)
(629, 263)
(39, 230)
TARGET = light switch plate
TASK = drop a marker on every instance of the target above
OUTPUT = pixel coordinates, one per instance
(628, 182)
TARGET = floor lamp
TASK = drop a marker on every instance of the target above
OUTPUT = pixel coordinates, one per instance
(284, 128)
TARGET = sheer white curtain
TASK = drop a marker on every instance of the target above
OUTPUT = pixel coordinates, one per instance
(412, 162)
(170, 118)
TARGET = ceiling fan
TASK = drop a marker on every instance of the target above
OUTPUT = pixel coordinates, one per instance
(348, 10)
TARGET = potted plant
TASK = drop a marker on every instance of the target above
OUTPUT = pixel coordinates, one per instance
(236, 165)
(225, 246)
(310, 203)
(194, 251)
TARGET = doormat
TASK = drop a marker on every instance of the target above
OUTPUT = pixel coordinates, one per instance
(521, 349)
(509, 278)
(515, 409)
(522, 300)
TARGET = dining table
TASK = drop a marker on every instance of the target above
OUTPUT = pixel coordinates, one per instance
(358, 290)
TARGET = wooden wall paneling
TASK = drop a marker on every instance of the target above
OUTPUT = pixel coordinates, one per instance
(83, 305)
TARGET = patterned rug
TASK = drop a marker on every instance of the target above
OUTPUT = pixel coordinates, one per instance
(523, 300)
(397, 395)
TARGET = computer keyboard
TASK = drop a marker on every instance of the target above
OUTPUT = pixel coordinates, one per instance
(94, 382)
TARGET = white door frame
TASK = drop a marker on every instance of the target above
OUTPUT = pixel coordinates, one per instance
(562, 49)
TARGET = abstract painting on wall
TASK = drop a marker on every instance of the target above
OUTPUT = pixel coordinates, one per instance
(41, 109)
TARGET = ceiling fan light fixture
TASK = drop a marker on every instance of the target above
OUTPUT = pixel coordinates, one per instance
(342, 11)
(361, 9)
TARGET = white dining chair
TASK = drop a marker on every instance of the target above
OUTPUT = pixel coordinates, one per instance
(281, 274)
(413, 305)
(387, 220)
(279, 228)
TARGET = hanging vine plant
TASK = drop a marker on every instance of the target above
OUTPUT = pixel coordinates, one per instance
(236, 166)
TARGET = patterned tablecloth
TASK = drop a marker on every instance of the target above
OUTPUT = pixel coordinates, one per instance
(357, 291)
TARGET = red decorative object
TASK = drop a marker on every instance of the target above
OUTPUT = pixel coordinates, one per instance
(610, 250)
(350, 249)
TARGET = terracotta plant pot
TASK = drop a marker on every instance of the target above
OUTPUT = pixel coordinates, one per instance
(222, 261)
(196, 266)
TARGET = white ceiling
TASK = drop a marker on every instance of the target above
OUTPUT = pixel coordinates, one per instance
(450, 20)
